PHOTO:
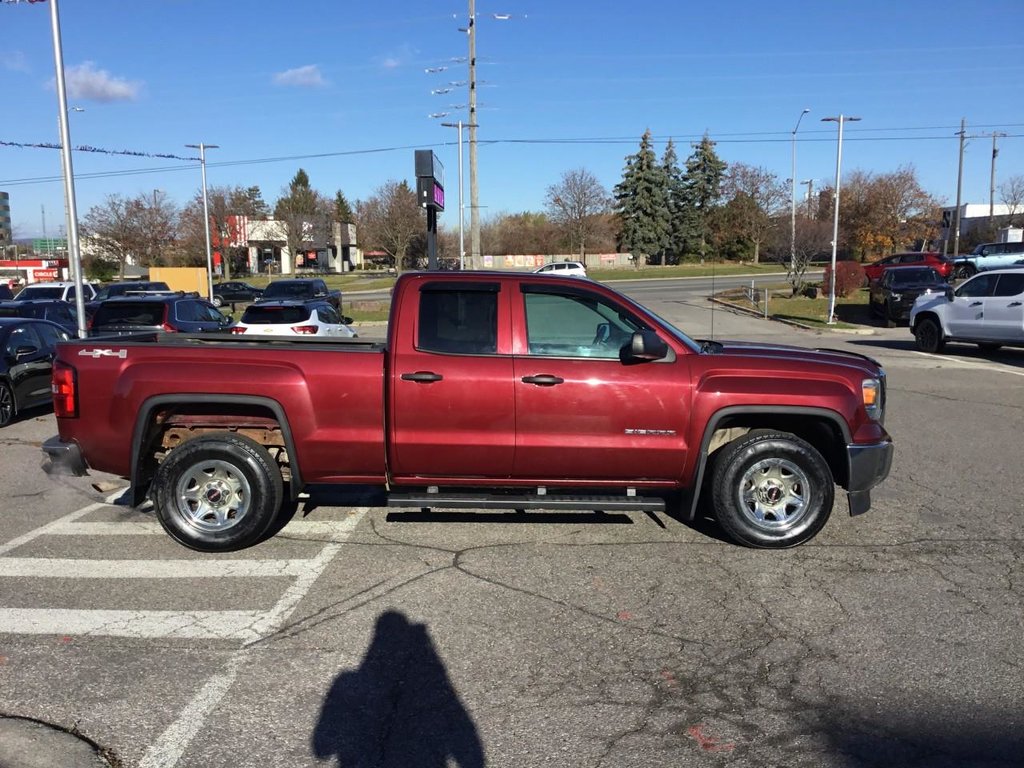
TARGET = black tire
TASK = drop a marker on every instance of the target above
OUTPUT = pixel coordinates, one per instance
(988, 346)
(218, 493)
(964, 271)
(928, 335)
(7, 405)
(890, 321)
(771, 490)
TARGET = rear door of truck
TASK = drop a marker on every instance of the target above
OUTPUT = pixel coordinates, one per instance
(452, 411)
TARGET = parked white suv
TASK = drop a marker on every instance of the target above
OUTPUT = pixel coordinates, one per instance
(987, 310)
(564, 268)
(54, 290)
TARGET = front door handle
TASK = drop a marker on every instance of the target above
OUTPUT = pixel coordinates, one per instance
(422, 377)
(1014, 304)
(543, 380)
(975, 303)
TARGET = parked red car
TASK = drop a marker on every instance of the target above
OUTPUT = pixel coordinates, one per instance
(936, 261)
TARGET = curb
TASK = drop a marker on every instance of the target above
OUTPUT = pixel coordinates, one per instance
(793, 323)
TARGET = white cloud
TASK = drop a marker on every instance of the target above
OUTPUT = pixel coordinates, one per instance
(308, 76)
(397, 59)
(86, 82)
(14, 61)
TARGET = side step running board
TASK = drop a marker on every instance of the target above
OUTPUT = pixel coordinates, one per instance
(527, 501)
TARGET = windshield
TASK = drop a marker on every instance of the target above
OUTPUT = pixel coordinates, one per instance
(41, 292)
(676, 333)
(910, 276)
(260, 315)
(129, 313)
(280, 290)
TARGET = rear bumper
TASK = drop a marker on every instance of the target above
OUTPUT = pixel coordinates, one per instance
(869, 465)
(63, 458)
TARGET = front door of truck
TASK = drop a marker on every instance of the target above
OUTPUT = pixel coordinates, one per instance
(966, 313)
(581, 412)
(452, 410)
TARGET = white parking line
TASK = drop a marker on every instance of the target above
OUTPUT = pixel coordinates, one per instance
(76, 568)
(45, 529)
(324, 530)
(216, 625)
(173, 742)
(984, 365)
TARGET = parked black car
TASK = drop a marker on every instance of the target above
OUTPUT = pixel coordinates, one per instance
(54, 310)
(6, 294)
(176, 312)
(26, 364)
(123, 288)
(234, 292)
(892, 296)
(301, 289)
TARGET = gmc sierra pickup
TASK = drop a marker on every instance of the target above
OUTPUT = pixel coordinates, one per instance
(493, 390)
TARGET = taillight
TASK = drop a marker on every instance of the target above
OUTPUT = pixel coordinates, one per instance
(64, 386)
(237, 329)
(168, 327)
(306, 329)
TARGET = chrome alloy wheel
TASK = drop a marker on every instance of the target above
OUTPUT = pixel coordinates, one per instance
(773, 493)
(213, 495)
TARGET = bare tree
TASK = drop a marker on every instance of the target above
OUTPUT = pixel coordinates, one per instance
(115, 228)
(1011, 192)
(757, 194)
(390, 220)
(158, 221)
(578, 204)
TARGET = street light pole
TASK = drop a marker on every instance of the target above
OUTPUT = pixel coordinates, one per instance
(74, 251)
(835, 223)
(206, 213)
(462, 242)
(792, 210)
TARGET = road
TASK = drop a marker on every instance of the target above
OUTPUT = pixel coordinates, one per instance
(360, 636)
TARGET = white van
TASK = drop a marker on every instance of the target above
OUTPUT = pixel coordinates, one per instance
(54, 290)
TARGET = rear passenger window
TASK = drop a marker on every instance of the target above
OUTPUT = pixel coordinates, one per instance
(460, 321)
(1009, 285)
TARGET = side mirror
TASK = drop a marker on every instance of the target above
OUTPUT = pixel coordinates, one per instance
(949, 293)
(646, 345)
(346, 320)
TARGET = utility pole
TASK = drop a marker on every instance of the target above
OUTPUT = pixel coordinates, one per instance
(962, 133)
(474, 192)
(992, 179)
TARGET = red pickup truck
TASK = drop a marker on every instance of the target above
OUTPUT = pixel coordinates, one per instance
(493, 390)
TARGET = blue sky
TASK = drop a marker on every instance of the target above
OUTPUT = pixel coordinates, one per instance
(340, 89)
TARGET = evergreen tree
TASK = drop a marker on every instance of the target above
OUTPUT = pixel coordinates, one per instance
(704, 171)
(342, 210)
(642, 204)
(682, 226)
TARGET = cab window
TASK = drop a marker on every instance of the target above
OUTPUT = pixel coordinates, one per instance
(462, 320)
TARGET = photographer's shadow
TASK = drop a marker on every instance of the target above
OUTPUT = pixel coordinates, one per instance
(398, 709)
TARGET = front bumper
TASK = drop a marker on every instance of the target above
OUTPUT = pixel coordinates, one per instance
(63, 458)
(869, 465)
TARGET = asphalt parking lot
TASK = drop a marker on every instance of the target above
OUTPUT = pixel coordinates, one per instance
(360, 636)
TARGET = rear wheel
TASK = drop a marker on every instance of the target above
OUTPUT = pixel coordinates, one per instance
(218, 493)
(218, 301)
(928, 336)
(6, 405)
(771, 490)
(964, 271)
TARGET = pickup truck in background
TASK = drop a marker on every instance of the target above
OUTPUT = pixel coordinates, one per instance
(987, 256)
(492, 391)
(301, 289)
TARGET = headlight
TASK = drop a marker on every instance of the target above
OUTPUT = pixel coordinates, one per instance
(873, 394)
(896, 296)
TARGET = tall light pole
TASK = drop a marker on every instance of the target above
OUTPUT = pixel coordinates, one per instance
(206, 213)
(74, 250)
(792, 210)
(462, 242)
(835, 224)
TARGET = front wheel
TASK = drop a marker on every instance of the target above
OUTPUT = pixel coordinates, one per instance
(771, 490)
(218, 493)
(928, 336)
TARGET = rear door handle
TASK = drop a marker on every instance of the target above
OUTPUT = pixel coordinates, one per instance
(1014, 304)
(975, 303)
(422, 377)
(543, 380)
